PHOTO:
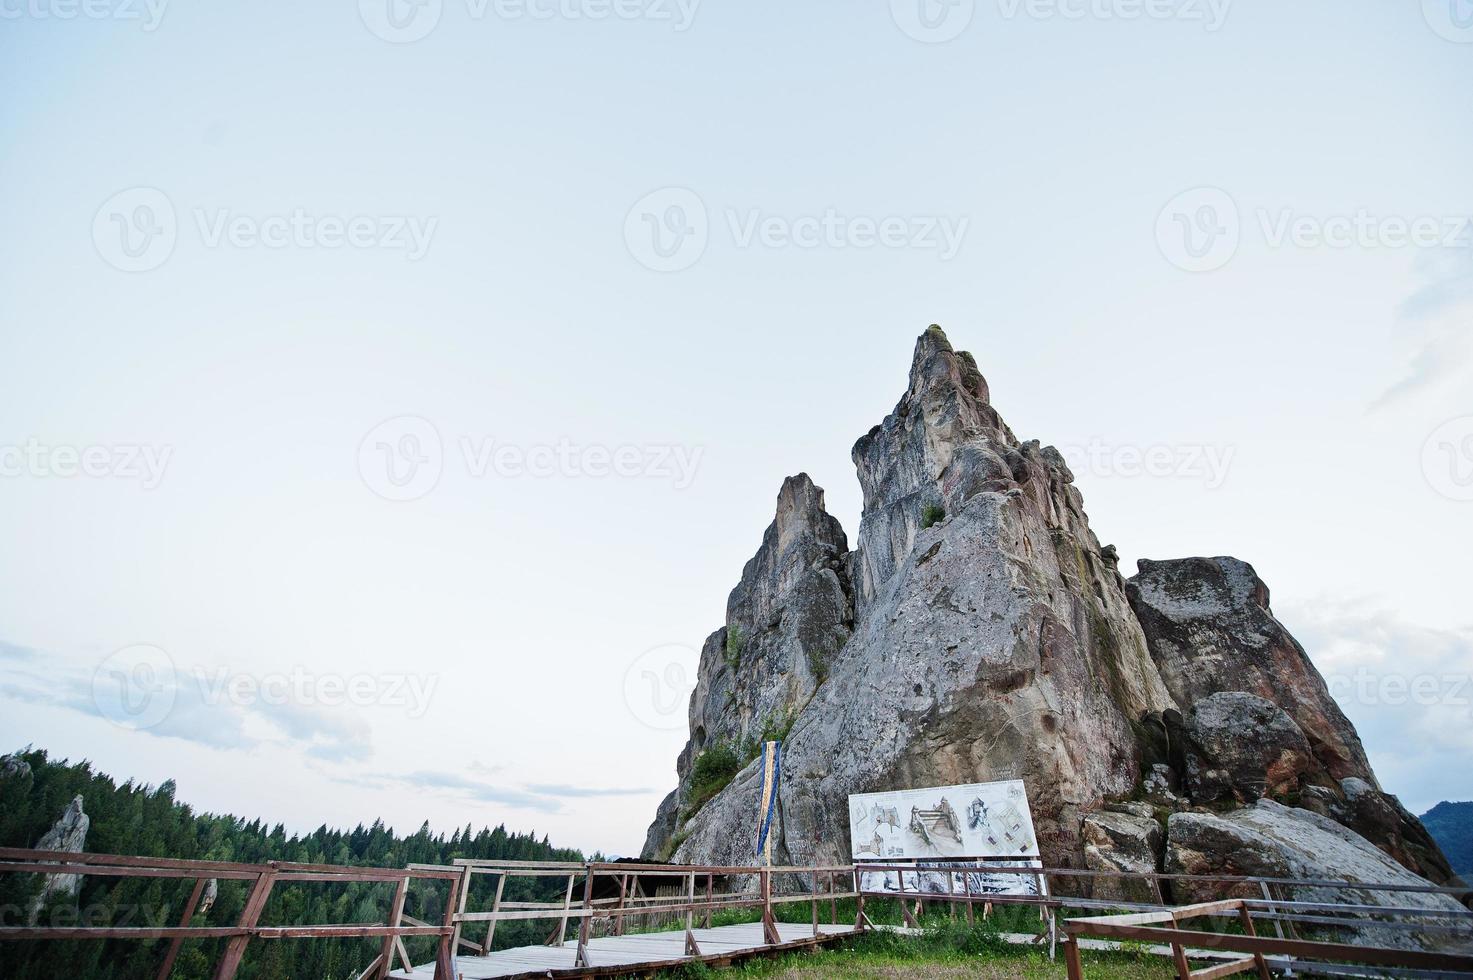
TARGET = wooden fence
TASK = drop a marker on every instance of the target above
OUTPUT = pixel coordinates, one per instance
(612, 899)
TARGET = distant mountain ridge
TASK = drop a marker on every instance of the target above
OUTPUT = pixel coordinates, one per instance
(1452, 826)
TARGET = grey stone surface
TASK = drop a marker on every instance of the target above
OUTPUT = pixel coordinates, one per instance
(1119, 841)
(1211, 631)
(997, 643)
(1252, 741)
(1273, 840)
(69, 834)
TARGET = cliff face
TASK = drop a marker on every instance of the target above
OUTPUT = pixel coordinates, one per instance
(978, 632)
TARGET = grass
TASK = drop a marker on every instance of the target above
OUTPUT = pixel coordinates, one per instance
(713, 769)
(931, 515)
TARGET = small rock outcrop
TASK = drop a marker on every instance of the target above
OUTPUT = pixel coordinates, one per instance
(14, 766)
(69, 834)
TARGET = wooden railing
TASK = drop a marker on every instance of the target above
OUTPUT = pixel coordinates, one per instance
(260, 880)
(612, 899)
(1165, 927)
(698, 897)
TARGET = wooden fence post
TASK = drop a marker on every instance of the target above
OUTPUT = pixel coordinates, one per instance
(1071, 958)
(581, 959)
(445, 952)
(1246, 918)
(235, 947)
(495, 912)
(167, 966)
(769, 924)
(396, 912)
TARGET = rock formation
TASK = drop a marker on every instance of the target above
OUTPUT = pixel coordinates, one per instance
(979, 631)
(1256, 717)
(68, 834)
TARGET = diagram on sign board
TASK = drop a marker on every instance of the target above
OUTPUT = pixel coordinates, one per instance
(964, 826)
(993, 821)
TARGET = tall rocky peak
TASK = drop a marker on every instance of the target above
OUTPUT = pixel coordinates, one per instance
(979, 631)
(786, 621)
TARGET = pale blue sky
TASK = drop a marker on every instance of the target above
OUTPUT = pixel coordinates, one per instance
(518, 146)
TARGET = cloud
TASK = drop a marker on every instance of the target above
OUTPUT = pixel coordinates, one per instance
(1438, 318)
(1408, 690)
(194, 707)
(579, 792)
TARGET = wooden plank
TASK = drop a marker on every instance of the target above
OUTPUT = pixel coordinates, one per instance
(1223, 969)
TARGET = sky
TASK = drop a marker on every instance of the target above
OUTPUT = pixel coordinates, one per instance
(391, 393)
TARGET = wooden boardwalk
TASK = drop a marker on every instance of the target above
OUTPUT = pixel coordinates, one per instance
(632, 954)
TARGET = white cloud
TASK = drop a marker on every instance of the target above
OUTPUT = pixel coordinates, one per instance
(1408, 689)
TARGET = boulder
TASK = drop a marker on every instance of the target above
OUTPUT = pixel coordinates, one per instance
(1269, 839)
(1124, 839)
(1251, 745)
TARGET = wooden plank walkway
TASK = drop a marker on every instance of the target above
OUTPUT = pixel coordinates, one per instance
(618, 954)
